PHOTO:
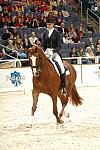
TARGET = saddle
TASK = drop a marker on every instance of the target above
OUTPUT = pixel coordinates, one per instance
(63, 79)
(59, 69)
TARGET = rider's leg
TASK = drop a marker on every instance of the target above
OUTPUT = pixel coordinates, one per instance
(63, 74)
(63, 78)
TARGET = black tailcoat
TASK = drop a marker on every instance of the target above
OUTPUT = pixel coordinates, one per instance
(54, 41)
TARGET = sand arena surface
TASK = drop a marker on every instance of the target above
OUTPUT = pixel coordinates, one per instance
(20, 131)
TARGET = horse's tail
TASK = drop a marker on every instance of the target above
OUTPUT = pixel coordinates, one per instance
(75, 99)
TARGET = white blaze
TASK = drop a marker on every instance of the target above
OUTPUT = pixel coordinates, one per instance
(33, 58)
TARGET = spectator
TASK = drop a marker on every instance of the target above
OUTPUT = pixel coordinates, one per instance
(2, 21)
(61, 6)
(33, 39)
(58, 23)
(67, 39)
(43, 6)
(98, 43)
(25, 40)
(90, 28)
(90, 43)
(70, 30)
(89, 53)
(19, 7)
(42, 22)
(62, 28)
(98, 53)
(15, 33)
(73, 54)
(19, 23)
(81, 32)
(12, 23)
(18, 16)
(81, 53)
(6, 34)
(41, 39)
(75, 38)
(9, 17)
(19, 48)
(11, 37)
(34, 23)
(18, 44)
(10, 47)
(60, 16)
(5, 11)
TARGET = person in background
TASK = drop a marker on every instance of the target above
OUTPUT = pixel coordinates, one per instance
(81, 53)
(6, 34)
(81, 32)
(75, 38)
(90, 28)
(10, 49)
(62, 28)
(33, 39)
(20, 53)
(67, 39)
(89, 53)
(90, 43)
(73, 53)
(25, 41)
(98, 43)
(98, 53)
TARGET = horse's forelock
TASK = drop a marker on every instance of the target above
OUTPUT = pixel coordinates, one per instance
(32, 50)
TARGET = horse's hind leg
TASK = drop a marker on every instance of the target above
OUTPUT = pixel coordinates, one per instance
(55, 111)
(64, 101)
(35, 100)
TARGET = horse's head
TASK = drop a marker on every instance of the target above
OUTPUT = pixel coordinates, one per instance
(35, 60)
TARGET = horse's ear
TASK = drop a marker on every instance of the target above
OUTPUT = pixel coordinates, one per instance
(29, 50)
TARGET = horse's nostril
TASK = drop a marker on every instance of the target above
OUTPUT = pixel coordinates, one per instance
(37, 74)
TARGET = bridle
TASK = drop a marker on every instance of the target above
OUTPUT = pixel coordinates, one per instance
(38, 62)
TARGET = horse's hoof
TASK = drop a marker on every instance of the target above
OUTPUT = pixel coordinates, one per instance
(60, 122)
(32, 113)
(60, 115)
(67, 115)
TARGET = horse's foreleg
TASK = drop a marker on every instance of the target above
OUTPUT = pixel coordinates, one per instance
(35, 100)
(55, 111)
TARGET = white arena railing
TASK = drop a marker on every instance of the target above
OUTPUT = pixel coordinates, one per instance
(20, 78)
(17, 62)
(79, 59)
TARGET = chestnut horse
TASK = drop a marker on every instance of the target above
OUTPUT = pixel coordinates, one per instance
(47, 80)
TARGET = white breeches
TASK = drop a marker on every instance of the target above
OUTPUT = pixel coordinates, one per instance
(54, 56)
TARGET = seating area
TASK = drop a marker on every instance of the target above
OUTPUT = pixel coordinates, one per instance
(28, 20)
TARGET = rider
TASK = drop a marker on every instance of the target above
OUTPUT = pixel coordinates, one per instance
(51, 45)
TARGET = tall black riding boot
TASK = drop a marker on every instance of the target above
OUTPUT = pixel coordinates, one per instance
(63, 79)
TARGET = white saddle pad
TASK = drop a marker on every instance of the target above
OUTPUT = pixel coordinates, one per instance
(67, 72)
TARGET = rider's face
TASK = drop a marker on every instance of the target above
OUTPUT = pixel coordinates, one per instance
(50, 25)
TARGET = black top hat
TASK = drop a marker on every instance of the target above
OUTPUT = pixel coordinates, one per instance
(50, 20)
